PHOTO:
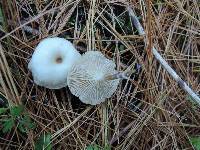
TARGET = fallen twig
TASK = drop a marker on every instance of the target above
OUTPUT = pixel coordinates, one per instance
(165, 65)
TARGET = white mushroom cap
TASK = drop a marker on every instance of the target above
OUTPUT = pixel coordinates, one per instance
(87, 81)
(51, 62)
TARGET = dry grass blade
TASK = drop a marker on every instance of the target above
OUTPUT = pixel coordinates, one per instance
(171, 71)
(148, 111)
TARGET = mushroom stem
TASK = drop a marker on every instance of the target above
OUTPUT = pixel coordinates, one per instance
(125, 74)
(119, 75)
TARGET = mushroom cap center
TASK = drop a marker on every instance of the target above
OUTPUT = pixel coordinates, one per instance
(98, 76)
(59, 59)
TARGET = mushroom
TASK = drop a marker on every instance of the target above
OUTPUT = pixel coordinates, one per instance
(51, 62)
(89, 80)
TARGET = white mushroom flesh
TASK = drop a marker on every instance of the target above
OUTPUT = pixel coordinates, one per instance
(51, 62)
(86, 78)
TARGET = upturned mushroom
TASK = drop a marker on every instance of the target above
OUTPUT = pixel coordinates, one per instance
(89, 79)
(51, 62)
